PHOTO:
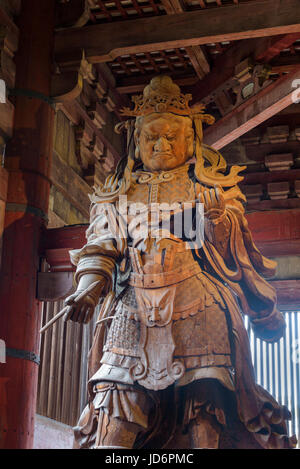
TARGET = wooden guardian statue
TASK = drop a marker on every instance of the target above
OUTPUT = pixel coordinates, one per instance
(170, 365)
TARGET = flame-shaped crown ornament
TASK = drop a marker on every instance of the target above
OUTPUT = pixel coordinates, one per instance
(163, 95)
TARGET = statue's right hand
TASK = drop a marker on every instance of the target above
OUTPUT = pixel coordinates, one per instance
(81, 307)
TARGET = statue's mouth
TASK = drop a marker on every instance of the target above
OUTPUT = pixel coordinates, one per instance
(162, 154)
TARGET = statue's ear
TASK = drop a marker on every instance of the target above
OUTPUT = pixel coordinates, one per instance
(137, 145)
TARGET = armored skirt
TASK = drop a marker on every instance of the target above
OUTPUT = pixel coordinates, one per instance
(158, 383)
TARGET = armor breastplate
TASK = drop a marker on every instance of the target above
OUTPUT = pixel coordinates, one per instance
(166, 283)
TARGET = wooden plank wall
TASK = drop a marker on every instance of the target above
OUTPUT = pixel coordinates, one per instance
(62, 386)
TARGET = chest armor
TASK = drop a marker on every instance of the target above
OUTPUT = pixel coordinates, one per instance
(167, 291)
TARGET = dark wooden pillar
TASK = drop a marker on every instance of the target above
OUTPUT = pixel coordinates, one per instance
(28, 163)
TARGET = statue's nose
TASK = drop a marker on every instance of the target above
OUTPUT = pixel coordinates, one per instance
(162, 144)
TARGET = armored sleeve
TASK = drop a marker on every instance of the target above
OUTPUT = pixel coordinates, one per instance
(106, 243)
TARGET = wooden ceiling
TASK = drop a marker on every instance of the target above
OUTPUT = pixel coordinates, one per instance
(239, 57)
(116, 10)
(187, 39)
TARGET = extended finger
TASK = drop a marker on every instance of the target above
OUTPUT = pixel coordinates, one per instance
(201, 199)
(68, 313)
(218, 193)
(213, 197)
(220, 196)
(207, 204)
(70, 299)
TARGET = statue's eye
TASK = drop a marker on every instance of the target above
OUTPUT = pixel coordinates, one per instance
(151, 138)
(171, 138)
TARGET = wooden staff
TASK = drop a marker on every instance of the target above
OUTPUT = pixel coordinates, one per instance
(64, 310)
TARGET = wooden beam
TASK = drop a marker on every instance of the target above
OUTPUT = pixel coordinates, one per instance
(66, 86)
(52, 286)
(276, 46)
(137, 84)
(281, 226)
(104, 42)
(270, 101)
(74, 13)
(223, 71)
(288, 294)
(273, 205)
(280, 229)
(195, 53)
(73, 187)
(267, 177)
(282, 248)
(276, 234)
(172, 6)
(199, 60)
(76, 113)
(68, 237)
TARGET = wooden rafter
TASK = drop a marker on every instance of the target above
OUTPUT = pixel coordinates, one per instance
(137, 7)
(198, 60)
(265, 227)
(104, 42)
(104, 9)
(223, 70)
(276, 46)
(195, 53)
(224, 66)
(154, 6)
(253, 112)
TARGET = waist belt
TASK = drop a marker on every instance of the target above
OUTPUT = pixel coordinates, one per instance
(163, 279)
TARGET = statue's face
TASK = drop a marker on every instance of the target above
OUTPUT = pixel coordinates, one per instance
(165, 141)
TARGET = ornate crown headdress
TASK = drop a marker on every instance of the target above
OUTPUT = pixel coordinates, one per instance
(163, 95)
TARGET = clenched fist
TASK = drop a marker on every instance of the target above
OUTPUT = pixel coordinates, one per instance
(82, 303)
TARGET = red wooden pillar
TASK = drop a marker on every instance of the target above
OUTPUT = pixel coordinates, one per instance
(28, 163)
(3, 195)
